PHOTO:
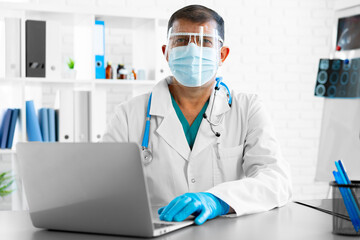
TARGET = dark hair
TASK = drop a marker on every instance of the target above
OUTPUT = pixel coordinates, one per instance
(198, 14)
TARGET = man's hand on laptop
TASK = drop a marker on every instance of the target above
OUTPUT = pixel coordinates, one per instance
(202, 205)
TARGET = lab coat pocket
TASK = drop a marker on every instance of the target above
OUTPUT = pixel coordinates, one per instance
(230, 162)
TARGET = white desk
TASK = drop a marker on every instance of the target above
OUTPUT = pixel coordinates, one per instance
(290, 222)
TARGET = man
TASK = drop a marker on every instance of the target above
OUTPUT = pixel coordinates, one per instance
(213, 152)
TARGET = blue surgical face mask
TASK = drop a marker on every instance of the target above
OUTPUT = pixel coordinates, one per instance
(184, 63)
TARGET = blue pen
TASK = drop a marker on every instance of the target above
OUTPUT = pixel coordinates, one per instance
(351, 194)
(349, 182)
(346, 201)
(346, 180)
(350, 198)
(344, 172)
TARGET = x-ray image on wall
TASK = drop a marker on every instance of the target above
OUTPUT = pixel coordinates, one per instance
(348, 33)
(338, 78)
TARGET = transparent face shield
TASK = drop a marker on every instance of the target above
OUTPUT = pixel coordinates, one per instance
(193, 57)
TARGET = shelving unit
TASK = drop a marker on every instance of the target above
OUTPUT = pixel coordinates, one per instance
(145, 31)
(144, 35)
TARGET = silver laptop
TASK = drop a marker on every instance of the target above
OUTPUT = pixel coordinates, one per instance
(89, 187)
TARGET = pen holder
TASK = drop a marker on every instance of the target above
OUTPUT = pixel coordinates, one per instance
(341, 220)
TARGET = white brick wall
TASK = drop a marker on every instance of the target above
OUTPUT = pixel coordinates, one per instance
(118, 46)
(275, 46)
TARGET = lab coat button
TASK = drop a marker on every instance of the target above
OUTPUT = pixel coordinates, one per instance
(193, 180)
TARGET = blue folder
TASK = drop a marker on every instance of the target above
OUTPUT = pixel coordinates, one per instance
(32, 123)
(5, 128)
(51, 115)
(14, 118)
(2, 126)
(99, 49)
(44, 124)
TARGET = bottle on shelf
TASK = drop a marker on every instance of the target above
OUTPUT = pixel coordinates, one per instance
(120, 66)
(141, 75)
(131, 76)
(134, 74)
(109, 71)
(123, 73)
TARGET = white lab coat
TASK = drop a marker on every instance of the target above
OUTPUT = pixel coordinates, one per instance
(243, 167)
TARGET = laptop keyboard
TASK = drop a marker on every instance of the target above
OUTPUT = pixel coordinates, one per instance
(162, 225)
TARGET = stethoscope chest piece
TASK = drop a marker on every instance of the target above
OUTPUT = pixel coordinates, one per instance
(147, 156)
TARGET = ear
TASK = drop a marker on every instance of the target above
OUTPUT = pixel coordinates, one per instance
(224, 52)
(163, 48)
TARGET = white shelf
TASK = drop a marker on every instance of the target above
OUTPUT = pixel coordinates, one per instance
(57, 80)
(7, 151)
(31, 80)
(115, 82)
(124, 82)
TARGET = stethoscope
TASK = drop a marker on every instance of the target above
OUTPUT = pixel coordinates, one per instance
(147, 154)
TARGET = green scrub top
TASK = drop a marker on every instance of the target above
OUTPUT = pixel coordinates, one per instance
(190, 131)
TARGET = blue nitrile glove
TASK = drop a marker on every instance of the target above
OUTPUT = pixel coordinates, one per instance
(202, 205)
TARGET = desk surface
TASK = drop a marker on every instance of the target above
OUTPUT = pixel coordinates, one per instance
(293, 221)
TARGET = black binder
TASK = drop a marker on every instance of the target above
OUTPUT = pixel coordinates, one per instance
(35, 48)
